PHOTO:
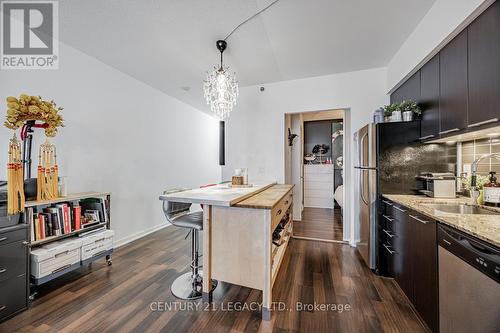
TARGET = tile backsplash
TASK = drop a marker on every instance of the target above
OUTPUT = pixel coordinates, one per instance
(399, 165)
(476, 148)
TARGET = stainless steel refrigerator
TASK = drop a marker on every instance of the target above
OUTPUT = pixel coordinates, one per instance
(384, 166)
(366, 179)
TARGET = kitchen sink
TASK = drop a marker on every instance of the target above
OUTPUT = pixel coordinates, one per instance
(461, 209)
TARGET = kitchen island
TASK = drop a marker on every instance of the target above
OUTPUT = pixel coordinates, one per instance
(238, 225)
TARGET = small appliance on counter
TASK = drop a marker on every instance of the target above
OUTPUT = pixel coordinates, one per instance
(492, 191)
(437, 185)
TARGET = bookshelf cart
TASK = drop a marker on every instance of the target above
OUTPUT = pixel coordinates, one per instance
(38, 206)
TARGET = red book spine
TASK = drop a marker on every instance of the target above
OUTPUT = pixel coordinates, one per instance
(77, 212)
(41, 224)
(67, 226)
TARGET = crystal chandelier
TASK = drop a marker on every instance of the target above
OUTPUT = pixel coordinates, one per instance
(221, 87)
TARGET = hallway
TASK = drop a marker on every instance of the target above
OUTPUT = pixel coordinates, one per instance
(320, 223)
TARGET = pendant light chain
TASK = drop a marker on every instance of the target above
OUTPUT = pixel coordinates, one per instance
(221, 86)
(251, 17)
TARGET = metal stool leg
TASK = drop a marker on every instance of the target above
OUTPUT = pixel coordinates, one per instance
(189, 285)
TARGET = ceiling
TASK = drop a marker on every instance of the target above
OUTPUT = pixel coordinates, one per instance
(169, 44)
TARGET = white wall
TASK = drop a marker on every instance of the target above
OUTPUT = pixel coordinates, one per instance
(255, 130)
(444, 20)
(121, 136)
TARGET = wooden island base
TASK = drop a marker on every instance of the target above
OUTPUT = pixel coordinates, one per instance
(238, 242)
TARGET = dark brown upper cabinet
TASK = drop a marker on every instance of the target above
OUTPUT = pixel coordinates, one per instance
(409, 90)
(429, 99)
(484, 68)
(453, 85)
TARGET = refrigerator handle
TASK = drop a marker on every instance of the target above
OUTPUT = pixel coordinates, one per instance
(360, 152)
(361, 184)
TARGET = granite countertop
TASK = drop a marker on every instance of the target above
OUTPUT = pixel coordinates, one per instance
(485, 227)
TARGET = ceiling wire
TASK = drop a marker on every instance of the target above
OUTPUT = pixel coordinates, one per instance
(251, 17)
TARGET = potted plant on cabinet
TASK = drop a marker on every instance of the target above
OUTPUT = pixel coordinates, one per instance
(409, 110)
(388, 110)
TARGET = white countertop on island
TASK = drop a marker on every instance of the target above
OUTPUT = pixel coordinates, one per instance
(219, 195)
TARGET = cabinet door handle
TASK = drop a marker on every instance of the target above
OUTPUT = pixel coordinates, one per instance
(278, 212)
(25, 242)
(426, 137)
(3, 239)
(388, 218)
(387, 202)
(3, 270)
(389, 250)
(401, 210)
(419, 220)
(2, 307)
(448, 243)
(388, 233)
(286, 202)
(449, 131)
(483, 122)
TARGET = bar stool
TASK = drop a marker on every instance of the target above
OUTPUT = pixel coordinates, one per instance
(188, 286)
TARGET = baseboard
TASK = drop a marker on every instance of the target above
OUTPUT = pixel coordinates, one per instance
(140, 234)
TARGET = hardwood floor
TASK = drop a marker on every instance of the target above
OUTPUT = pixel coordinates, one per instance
(320, 223)
(119, 298)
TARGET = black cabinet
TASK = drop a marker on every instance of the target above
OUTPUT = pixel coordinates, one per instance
(410, 90)
(402, 265)
(386, 238)
(458, 88)
(429, 99)
(424, 267)
(453, 85)
(13, 270)
(484, 68)
(409, 251)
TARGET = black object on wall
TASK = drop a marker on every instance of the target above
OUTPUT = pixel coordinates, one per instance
(222, 143)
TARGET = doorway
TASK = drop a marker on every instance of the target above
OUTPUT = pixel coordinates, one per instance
(314, 155)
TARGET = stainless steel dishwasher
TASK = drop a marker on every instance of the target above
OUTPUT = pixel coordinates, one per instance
(469, 283)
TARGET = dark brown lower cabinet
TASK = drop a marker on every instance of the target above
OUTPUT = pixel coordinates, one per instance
(412, 259)
(403, 269)
(423, 233)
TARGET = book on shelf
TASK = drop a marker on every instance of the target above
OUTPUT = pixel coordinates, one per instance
(54, 211)
(55, 224)
(41, 225)
(36, 226)
(64, 216)
(48, 224)
(77, 213)
(28, 219)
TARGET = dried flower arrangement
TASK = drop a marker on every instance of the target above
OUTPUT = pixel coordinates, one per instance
(27, 108)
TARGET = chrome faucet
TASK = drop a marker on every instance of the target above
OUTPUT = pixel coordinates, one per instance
(474, 166)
